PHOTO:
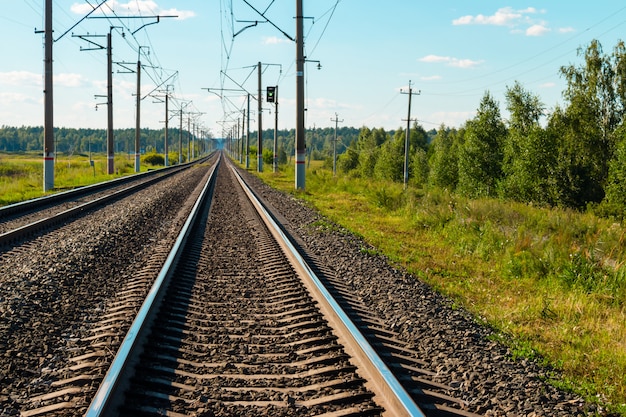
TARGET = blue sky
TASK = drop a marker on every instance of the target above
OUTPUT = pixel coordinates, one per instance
(452, 51)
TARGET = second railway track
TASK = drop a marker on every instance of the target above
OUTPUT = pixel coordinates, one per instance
(26, 218)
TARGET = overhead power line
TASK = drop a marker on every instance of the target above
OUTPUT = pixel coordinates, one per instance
(269, 21)
(80, 21)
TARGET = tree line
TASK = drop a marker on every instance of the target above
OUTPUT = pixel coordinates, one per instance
(574, 158)
(72, 140)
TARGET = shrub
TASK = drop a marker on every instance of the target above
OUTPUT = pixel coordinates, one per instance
(153, 159)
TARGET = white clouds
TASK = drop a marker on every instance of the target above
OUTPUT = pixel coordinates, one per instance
(450, 61)
(20, 78)
(517, 20)
(275, 40)
(505, 16)
(537, 30)
(69, 80)
(11, 99)
(133, 8)
(31, 79)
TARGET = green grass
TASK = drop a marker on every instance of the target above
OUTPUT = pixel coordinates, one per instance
(552, 282)
(21, 174)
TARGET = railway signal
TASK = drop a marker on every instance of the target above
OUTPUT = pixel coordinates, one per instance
(271, 94)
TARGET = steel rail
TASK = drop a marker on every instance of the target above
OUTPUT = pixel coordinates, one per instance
(27, 229)
(70, 194)
(108, 396)
(392, 393)
(87, 189)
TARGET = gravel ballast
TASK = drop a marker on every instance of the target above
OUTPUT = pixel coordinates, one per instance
(462, 352)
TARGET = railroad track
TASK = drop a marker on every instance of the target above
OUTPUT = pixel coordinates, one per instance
(26, 218)
(55, 282)
(235, 331)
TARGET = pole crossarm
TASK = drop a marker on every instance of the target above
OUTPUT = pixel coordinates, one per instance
(79, 22)
(86, 39)
(128, 70)
(269, 21)
(238, 85)
(158, 19)
(264, 64)
(411, 91)
(251, 25)
(214, 90)
(175, 73)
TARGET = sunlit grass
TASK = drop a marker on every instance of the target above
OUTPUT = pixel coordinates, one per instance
(21, 175)
(552, 282)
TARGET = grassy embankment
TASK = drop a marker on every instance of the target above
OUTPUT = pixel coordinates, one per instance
(21, 174)
(551, 282)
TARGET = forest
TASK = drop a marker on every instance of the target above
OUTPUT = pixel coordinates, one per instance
(70, 140)
(572, 156)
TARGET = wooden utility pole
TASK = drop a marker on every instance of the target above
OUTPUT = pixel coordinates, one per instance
(337, 121)
(408, 136)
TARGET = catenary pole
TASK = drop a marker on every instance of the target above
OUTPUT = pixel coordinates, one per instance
(110, 140)
(189, 138)
(300, 182)
(180, 137)
(48, 153)
(275, 164)
(137, 118)
(260, 130)
(167, 118)
(242, 144)
(248, 135)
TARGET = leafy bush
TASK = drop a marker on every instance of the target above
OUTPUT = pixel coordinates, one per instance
(153, 159)
(268, 157)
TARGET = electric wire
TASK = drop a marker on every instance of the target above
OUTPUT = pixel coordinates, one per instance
(228, 16)
(537, 55)
(155, 71)
(36, 9)
(332, 12)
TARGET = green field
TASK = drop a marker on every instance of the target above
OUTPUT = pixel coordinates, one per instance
(551, 282)
(21, 174)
